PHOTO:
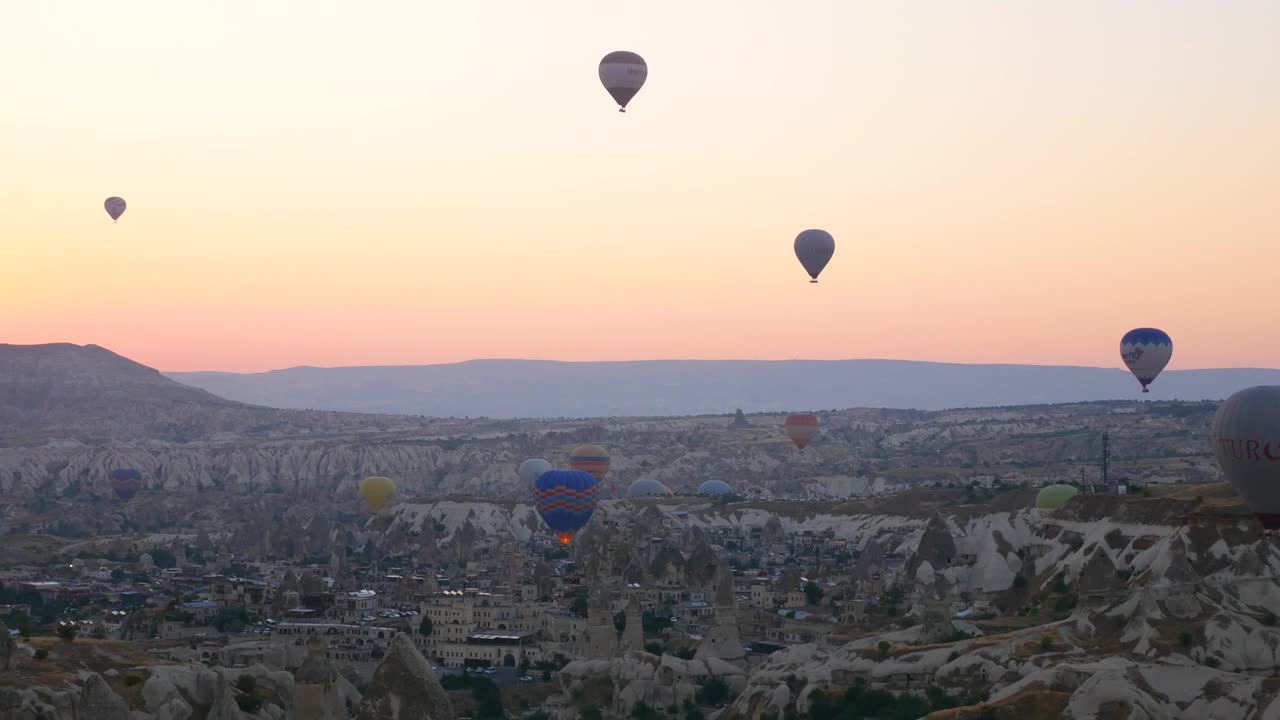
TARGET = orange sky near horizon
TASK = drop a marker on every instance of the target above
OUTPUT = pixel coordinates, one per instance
(325, 183)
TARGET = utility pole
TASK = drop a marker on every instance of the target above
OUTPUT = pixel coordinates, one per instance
(1106, 462)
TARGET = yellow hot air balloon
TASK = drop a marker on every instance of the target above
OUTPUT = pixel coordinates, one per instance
(377, 492)
(590, 459)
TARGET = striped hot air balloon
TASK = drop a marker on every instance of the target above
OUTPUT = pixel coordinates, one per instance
(623, 74)
(125, 483)
(565, 499)
(590, 459)
(802, 428)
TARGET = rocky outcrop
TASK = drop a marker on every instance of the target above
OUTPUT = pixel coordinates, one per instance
(640, 677)
(99, 701)
(404, 688)
(162, 699)
(6, 647)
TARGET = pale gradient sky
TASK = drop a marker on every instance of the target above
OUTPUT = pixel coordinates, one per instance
(339, 183)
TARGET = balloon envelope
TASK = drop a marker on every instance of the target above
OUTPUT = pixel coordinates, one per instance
(376, 492)
(126, 482)
(623, 74)
(1053, 497)
(1146, 351)
(565, 499)
(590, 458)
(115, 207)
(802, 428)
(647, 487)
(530, 470)
(814, 249)
(715, 488)
(1245, 435)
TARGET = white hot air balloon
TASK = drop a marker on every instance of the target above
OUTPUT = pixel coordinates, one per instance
(530, 470)
(1145, 352)
(115, 207)
(814, 249)
(623, 74)
(1245, 434)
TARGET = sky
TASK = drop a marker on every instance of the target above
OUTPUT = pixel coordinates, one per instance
(339, 183)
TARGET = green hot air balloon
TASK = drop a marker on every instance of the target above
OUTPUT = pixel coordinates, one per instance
(1055, 496)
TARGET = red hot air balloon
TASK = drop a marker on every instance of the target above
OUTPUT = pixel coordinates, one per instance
(802, 428)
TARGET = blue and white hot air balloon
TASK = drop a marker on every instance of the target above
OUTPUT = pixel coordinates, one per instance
(715, 488)
(1146, 351)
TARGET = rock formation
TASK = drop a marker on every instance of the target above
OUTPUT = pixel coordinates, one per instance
(404, 688)
(722, 641)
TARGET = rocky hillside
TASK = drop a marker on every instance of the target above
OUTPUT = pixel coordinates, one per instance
(89, 394)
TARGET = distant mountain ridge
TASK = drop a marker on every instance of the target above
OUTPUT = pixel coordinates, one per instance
(539, 388)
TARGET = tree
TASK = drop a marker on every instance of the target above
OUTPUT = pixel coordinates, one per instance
(247, 684)
(884, 648)
(620, 621)
(488, 698)
(98, 633)
(578, 606)
(68, 631)
(653, 648)
(523, 667)
(591, 714)
(163, 558)
(714, 691)
(685, 653)
(231, 619)
(118, 574)
(812, 593)
(644, 711)
(424, 627)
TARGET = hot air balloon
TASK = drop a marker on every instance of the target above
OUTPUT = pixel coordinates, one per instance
(814, 248)
(1146, 351)
(376, 492)
(1245, 434)
(802, 428)
(565, 499)
(1052, 497)
(125, 483)
(115, 207)
(530, 470)
(648, 487)
(590, 458)
(623, 74)
(715, 488)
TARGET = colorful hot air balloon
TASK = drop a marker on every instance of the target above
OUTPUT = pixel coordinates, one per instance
(565, 499)
(1052, 497)
(1146, 351)
(647, 487)
(376, 492)
(590, 458)
(115, 207)
(125, 483)
(623, 74)
(715, 488)
(802, 428)
(814, 249)
(530, 470)
(1245, 435)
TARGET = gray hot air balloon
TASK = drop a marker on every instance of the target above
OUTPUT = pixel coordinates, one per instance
(530, 470)
(115, 207)
(815, 248)
(623, 74)
(1246, 441)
